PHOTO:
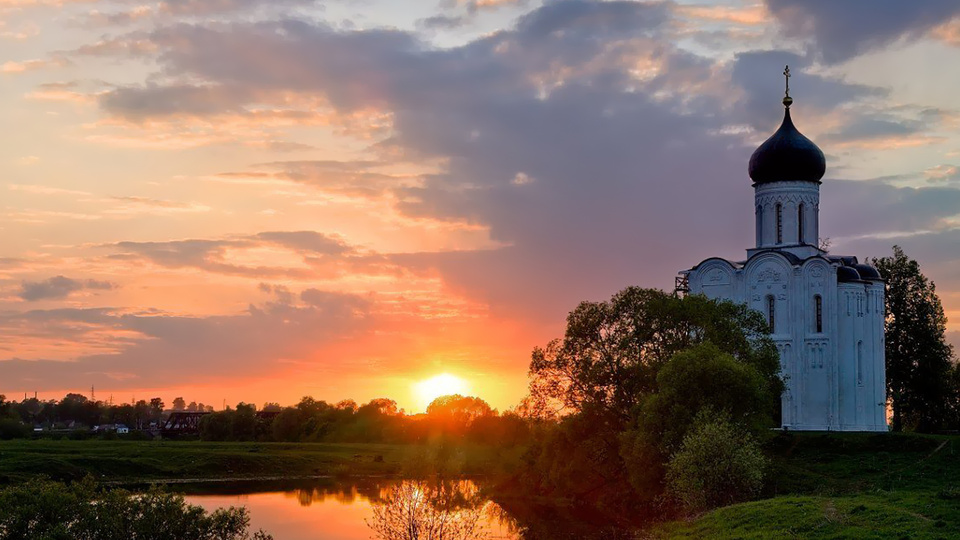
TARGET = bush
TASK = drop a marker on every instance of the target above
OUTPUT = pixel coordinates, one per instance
(697, 379)
(719, 463)
(704, 377)
(13, 429)
(54, 511)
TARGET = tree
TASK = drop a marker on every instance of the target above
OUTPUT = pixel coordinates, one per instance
(695, 381)
(953, 419)
(612, 351)
(701, 378)
(179, 404)
(347, 405)
(379, 406)
(217, 426)
(244, 422)
(156, 409)
(141, 413)
(919, 360)
(70, 408)
(287, 425)
(630, 375)
(460, 409)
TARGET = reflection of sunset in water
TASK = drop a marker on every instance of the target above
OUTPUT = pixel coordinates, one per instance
(430, 510)
(341, 512)
(346, 509)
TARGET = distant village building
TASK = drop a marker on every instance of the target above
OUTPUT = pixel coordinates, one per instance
(111, 428)
(825, 312)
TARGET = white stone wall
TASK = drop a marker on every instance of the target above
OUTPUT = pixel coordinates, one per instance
(834, 378)
(790, 196)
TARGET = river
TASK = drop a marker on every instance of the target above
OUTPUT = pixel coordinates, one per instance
(329, 509)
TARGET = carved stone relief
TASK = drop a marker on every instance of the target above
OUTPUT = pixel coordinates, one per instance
(769, 275)
(716, 277)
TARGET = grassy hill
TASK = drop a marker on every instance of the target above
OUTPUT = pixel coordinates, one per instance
(846, 486)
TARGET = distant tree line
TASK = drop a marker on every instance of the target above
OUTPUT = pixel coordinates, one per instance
(454, 417)
(74, 412)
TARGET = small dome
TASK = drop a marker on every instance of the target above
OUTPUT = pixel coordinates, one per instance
(846, 274)
(867, 272)
(787, 156)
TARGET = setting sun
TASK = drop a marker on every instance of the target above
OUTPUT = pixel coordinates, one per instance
(439, 385)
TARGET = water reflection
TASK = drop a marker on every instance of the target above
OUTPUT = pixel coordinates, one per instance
(336, 493)
(429, 510)
(330, 509)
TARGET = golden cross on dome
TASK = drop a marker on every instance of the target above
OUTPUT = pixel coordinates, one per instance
(787, 100)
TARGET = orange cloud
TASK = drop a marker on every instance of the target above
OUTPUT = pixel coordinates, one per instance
(753, 15)
(32, 65)
(890, 142)
(948, 32)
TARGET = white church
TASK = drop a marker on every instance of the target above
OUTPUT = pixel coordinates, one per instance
(825, 312)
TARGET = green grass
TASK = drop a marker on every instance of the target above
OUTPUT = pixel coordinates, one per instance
(145, 461)
(846, 486)
(860, 516)
(137, 461)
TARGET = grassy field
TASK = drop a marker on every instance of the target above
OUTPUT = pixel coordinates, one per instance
(129, 461)
(846, 486)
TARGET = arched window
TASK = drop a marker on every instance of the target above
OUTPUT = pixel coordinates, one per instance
(779, 223)
(800, 234)
(759, 225)
(818, 309)
(860, 363)
(771, 313)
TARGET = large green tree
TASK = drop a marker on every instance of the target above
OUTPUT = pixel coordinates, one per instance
(611, 353)
(919, 360)
(632, 373)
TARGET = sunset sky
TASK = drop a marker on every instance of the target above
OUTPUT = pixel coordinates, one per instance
(253, 200)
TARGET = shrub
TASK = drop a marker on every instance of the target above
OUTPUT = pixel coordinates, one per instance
(13, 429)
(719, 463)
(697, 379)
(53, 511)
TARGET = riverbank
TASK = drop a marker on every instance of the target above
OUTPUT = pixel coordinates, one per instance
(819, 485)
(845, 486)
(129, 462)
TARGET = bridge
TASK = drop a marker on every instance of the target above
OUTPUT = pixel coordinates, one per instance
(182, 423)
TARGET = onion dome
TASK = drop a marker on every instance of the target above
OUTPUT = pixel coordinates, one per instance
(867, 272)
(846, 274)
(787, 155)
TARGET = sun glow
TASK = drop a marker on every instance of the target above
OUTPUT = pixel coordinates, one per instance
(440, 385)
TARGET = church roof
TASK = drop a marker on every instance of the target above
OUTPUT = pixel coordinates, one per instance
(787, 155)
(846, 274)
(868, 272)
(849, 269)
